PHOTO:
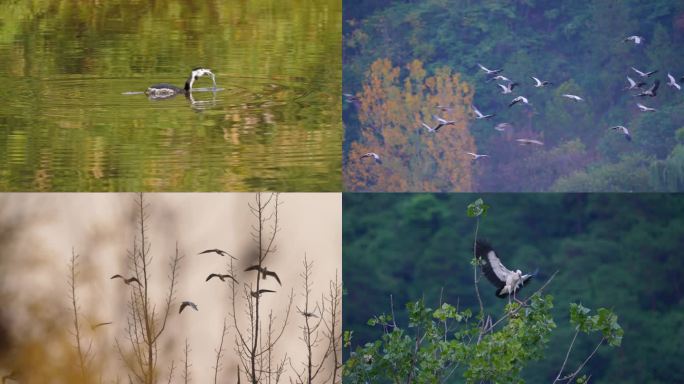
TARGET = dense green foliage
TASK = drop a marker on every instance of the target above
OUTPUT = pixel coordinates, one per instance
(577, 45)
(621, 252)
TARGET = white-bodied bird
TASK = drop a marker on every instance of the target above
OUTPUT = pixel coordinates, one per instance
(634, 39)
(529, 142)
(480, 115)
(506, 281)
(644, 108)
(644, 74)
(374, 155)
(651, 92)
(572, 97)
(623, 130)
(633, 84)
(489, 71)
(508, 88)
(519, 99)
(540, 83)
(502, 127)
(673, 82)
(475, 156)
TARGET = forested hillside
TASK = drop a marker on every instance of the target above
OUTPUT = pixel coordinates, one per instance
(578, 46)
(622, 252)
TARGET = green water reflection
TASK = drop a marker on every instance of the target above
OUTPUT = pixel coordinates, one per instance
(66, 124)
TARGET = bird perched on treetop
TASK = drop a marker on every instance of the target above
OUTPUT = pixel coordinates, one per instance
(507, 282)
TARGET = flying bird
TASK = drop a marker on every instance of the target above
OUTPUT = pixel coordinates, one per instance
(98, 325)
(187, 304)
(125, 280)
(490, 71)
(519, 99)
(218, 252)
(499, 78)
(430, 129)
(572, 97)
(480, 115)
(651, 92)
(502, 127)
(644, 108)
(633, 84)
(673, 82)
(623, 130)
(349, 98)
(260, 292)
(221, 277)
(373, 155)
(444, 108)
(306, 314)
(540, 83)
(264, 273)
(508, 88)
(529, 142)
(644, 74)
(635, 39)
(507, 282)
(475, 156)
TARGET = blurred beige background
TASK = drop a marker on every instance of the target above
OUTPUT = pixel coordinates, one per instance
(38, 232)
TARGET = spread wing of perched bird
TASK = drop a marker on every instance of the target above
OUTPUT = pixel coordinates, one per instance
(264, 273)
(507, 282)
(218, 252)
(221, 277)
(187, 304)
(125, 280)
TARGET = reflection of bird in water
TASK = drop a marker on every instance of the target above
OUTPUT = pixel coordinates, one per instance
(222, 277)
(260, 292)
(187, 304)
(125, 280)
(264, 272)
(218, 252)
(162, 91)
(98, 325)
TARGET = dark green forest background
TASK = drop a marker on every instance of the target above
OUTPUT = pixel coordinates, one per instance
(576, 44)
(618, 251)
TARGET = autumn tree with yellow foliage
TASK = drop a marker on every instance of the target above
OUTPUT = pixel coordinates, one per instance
(392, 107)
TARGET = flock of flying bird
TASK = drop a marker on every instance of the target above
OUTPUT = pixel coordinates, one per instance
(263, 271)
(507, 86)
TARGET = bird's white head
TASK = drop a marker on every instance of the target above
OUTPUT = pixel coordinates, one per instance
(196, 74)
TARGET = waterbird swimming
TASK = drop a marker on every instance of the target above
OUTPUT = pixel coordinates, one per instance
(161, 91)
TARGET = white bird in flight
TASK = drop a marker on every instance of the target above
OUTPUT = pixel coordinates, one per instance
(374, 155)
(502, 127)
(476, 156)
(644, 74)
(644, 108)
(651, 92)
(490, 71)
(635, 39)
(573, 97)
(499, 78)
(519, 99)
(480, 115)
(529, 142)
(623, 130)
(508, 88)
(633, 84)
(540, 83)
(673, 82)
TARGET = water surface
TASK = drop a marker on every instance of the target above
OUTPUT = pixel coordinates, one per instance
(68, 124)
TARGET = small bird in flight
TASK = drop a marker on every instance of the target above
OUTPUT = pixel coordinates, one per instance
(635, 39)
(673, 82)
(218, 252)
(373, 155)
(480, 115)
(475, 156)
(644, 74)
(98, 325)
(430, 129)
(491, 72)
(264, 273)
(221, 277)
(651, 92)
(519, 99)
(306, 314)
(502, 127)
(529, 142)
(644, 108)
(633, 84)
(499, 78)
(125, 280)
(540, 83)
(572, 97)
(260, 292)
(508, 88)
(187, 304)
(623, 130)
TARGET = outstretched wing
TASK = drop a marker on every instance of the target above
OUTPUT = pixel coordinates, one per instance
(493, 269)
(270, 273)
(252, 268)
(525, 279)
